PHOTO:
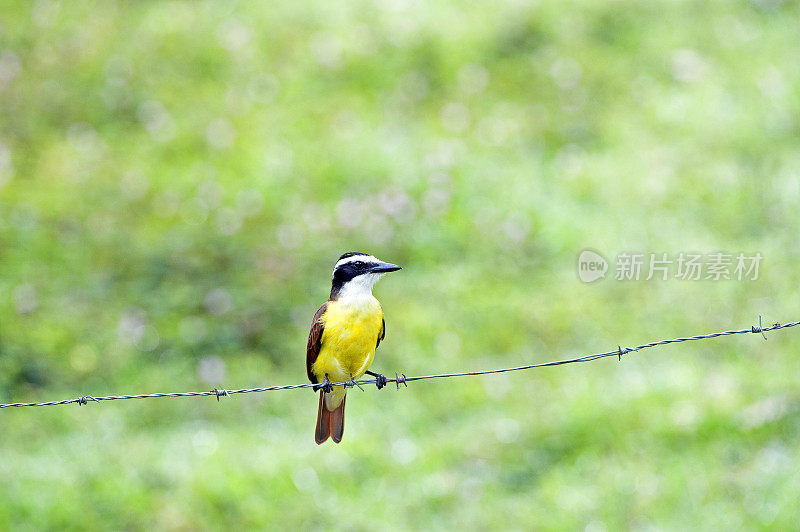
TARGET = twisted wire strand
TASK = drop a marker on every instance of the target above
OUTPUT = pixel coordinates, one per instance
(402, 379)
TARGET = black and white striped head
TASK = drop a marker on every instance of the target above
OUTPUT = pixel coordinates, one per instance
(356, 273)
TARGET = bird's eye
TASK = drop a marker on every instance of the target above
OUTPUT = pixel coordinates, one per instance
(359, 263)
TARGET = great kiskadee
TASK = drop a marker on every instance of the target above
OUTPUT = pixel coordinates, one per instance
(344, 335)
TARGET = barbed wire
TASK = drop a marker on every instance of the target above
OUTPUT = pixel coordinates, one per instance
(402, 379)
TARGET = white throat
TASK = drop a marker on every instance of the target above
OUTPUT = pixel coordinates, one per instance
(359, 287)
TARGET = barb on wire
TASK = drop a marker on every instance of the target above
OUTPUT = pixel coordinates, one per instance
(218, 393)
(402, 379)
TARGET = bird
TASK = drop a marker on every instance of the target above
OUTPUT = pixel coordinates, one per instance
(345, 332)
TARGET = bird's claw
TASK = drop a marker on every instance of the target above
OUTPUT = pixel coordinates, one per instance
(380, 380)
(326, 385)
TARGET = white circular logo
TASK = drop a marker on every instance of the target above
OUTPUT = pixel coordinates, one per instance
(591, 266)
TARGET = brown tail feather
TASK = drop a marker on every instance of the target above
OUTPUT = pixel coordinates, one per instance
(330, 423)
(323, 420)
(337, 422)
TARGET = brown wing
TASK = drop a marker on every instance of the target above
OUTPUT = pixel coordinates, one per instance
(315, 341)
(382, 334)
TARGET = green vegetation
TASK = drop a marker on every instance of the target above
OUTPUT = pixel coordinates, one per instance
(178, 178)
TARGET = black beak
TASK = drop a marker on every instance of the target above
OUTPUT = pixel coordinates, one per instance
(384, 267)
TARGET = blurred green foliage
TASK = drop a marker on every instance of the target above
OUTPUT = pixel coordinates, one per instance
(177, 179)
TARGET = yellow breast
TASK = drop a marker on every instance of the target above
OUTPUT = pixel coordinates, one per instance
(348, 339)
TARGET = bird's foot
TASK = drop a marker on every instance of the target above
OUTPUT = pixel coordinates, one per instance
(325, 385)
(380, 380)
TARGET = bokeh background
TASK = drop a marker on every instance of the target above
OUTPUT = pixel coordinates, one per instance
(178, 178)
